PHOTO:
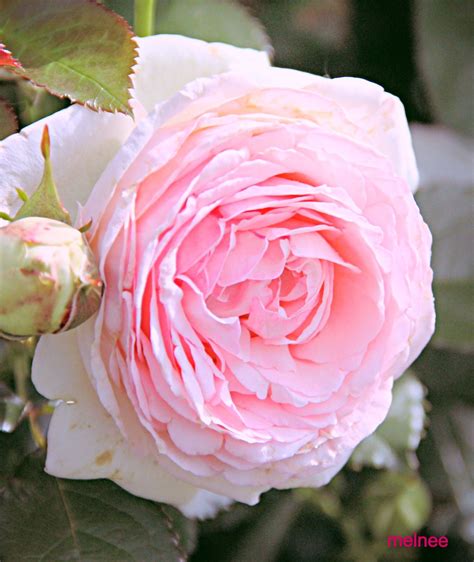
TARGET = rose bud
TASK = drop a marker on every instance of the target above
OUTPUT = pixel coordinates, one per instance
(49, 281)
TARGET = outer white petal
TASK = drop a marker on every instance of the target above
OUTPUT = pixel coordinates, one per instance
(382, 115)
(84, 442)
(168, 62)
(205, 504)
(318, 479)
(83, 141)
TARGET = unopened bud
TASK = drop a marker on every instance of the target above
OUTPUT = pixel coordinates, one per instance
(49, 280)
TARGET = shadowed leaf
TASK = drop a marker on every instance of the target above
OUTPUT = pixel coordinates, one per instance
(8, 120)
(83, 520)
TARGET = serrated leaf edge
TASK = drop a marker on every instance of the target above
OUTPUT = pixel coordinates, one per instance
(91, 104)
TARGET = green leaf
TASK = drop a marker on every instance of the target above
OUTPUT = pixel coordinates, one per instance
(74, 48)
(444, 40)
(392, 445)
(185, 530)
(44, 202)
(8, 120)
(223, 21)
(82, 520)
(455, 319)
(34, 103)
(396, 504)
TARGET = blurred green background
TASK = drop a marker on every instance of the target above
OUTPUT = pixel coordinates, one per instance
(421, 51)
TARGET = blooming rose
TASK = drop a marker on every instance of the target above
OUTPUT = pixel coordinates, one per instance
(266, 276)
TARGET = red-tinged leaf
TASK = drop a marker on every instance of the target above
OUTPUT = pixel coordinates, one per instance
(6, 58)
(74, 48)
(8, 120)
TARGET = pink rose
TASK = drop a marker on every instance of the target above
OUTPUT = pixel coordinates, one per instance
(266, 277)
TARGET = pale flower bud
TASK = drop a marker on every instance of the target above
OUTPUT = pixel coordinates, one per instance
(49, 281)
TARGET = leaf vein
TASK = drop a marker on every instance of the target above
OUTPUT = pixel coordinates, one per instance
(82, 75)
(68, 514)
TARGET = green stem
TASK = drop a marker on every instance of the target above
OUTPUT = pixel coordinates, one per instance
(144, 17)
(21, 375)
